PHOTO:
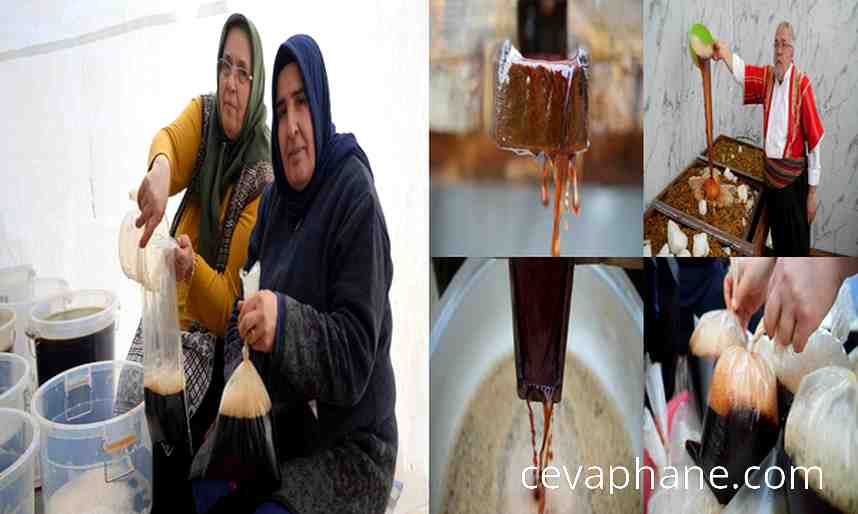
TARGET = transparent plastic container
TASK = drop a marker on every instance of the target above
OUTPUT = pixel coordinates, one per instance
(19, 442)
(15, 385)
(7, 328)
(96, 451)
(143, 265)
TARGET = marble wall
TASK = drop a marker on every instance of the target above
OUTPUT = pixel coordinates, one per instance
(826, 42)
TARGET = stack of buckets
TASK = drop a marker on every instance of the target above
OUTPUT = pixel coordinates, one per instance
(85, 426)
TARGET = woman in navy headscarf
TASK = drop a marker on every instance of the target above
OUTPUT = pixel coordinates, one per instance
(320, 327)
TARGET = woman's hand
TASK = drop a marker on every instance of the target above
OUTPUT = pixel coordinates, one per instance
(746, 286)
(152, 197)
(257, 320)
(185, 259)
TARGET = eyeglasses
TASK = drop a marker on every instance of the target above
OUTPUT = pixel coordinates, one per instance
(226, 68)
(779, 45)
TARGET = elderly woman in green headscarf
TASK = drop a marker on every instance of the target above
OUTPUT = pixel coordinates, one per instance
(218, 153)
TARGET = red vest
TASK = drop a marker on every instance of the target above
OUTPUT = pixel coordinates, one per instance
(803, 126)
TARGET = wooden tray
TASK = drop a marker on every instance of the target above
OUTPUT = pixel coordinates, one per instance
(713, 252)
(745, 173)
(745, 245)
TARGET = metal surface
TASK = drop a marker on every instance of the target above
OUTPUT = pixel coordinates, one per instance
(472, 332)
(490, 219)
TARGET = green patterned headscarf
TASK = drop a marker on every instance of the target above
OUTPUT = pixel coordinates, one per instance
(225, 159)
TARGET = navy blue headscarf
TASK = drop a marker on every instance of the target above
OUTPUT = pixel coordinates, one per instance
(332, 148)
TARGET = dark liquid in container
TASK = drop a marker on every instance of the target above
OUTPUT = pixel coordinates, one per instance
(542, 454)
(167, 417)
(706, 74)
(541, 297)
(701, 370)
(737, 441)
(54, 356)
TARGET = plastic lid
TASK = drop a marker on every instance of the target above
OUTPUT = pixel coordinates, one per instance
(23, 378)
(42, 327)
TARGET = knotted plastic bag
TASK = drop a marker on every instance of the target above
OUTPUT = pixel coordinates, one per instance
(741, 423)
(241, 448)
(715, 332)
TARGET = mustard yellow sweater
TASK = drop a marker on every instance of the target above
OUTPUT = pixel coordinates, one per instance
(208, 297)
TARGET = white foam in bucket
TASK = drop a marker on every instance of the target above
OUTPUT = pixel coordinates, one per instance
(7, 328)
(19, 442)
(96, 451)
(15, 385)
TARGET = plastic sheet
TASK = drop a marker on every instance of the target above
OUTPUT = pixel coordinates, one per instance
(822, 350)
(657, 399)
(842, 315)
(164, 378)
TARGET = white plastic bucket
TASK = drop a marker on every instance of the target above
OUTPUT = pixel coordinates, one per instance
(61, 342)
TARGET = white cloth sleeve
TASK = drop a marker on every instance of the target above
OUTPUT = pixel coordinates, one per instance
(813, 165)
(739, 69)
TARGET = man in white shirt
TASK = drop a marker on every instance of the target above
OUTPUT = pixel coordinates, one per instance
(792, 132)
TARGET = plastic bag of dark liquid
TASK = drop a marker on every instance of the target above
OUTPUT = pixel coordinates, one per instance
(164, 376)
(741, 423)
(240, 448)
(760, 495)
(715, 331)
